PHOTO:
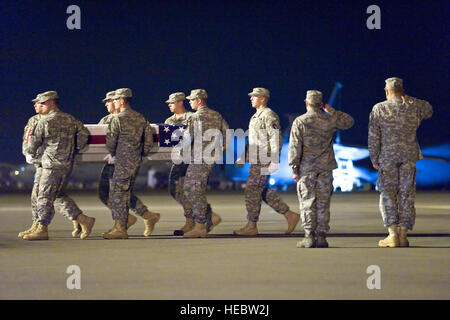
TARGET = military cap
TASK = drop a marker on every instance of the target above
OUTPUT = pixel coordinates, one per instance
(177, 96)
(260, 92)
(394, 83)
(45, 96)
(197, 93)
(109, 96)
(313, 97)
(122, 93)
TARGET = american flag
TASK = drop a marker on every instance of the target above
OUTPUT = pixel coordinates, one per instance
(164, 138)
(166, 135)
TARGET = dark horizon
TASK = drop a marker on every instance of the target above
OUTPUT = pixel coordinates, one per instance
(156, 48)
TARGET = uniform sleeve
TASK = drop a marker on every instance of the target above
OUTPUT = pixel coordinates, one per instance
(425, 110)
(103, 120)
(344, 121)
(374, 140)
(272, 125)
(112, 135)
(168, 121)
(82, 136)
(26, 135)
(148, 138)
(36, 138)
(295, 146)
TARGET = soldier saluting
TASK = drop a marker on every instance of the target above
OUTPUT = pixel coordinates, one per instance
(311, 157)
(394, 151)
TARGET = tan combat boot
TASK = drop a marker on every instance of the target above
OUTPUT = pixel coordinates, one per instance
(76, 229)
(215, 219)
(199, 231)
(250, 229)
(188, 225)
(131, 220)
(292, 219)
(40, 233)
(31, 229)
(150, 219)
(86, 224)
(392, 239)
(119, 231)
(403, 240)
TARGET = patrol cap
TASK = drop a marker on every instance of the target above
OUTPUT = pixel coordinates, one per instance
(260, 92)
(394, 83)
(197, 93)
(313, 97)
(45, 96)
(177, 96)
(109, 96)
(122, 93)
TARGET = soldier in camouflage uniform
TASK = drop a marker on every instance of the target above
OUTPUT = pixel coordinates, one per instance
(394, 151)
(59, 135)
(128, 139)
(265, 140)
(198, 171)
(108, 169)
(312, 160)
(178, 171)
(38, 166)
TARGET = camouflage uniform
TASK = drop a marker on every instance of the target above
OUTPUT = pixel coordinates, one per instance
(197, 174)
(257, 190)
(60, 136)
(37, 164)
(128, 139)
(311, 156)
(393, 146)
(178, 171)
(107, 173)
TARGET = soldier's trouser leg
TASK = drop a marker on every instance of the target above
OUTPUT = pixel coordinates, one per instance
(121, 186)
(35, 192)
(65, 204)
(176, 188)
(388, 185)
(51, 187)
(406, 195)
(306, 191)
(324, 190)
(136, 205)
(257, 191)
(103, 186)
(195, 184)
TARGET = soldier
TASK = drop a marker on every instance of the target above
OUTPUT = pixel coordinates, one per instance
(312, 160)
(60, 135)
(108, 168)
(128, 139)
(265, 139)
(178, 171)
(198, 171)
(394, 151)
(38, 166)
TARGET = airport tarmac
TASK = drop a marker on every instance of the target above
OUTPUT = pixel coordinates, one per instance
(223, 266)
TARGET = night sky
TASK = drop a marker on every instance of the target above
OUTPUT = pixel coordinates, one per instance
(227, 47)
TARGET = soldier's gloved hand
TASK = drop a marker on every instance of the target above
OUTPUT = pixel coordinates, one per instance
(110, 159)
(29, 159)
(239, 163)
(273, 167)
